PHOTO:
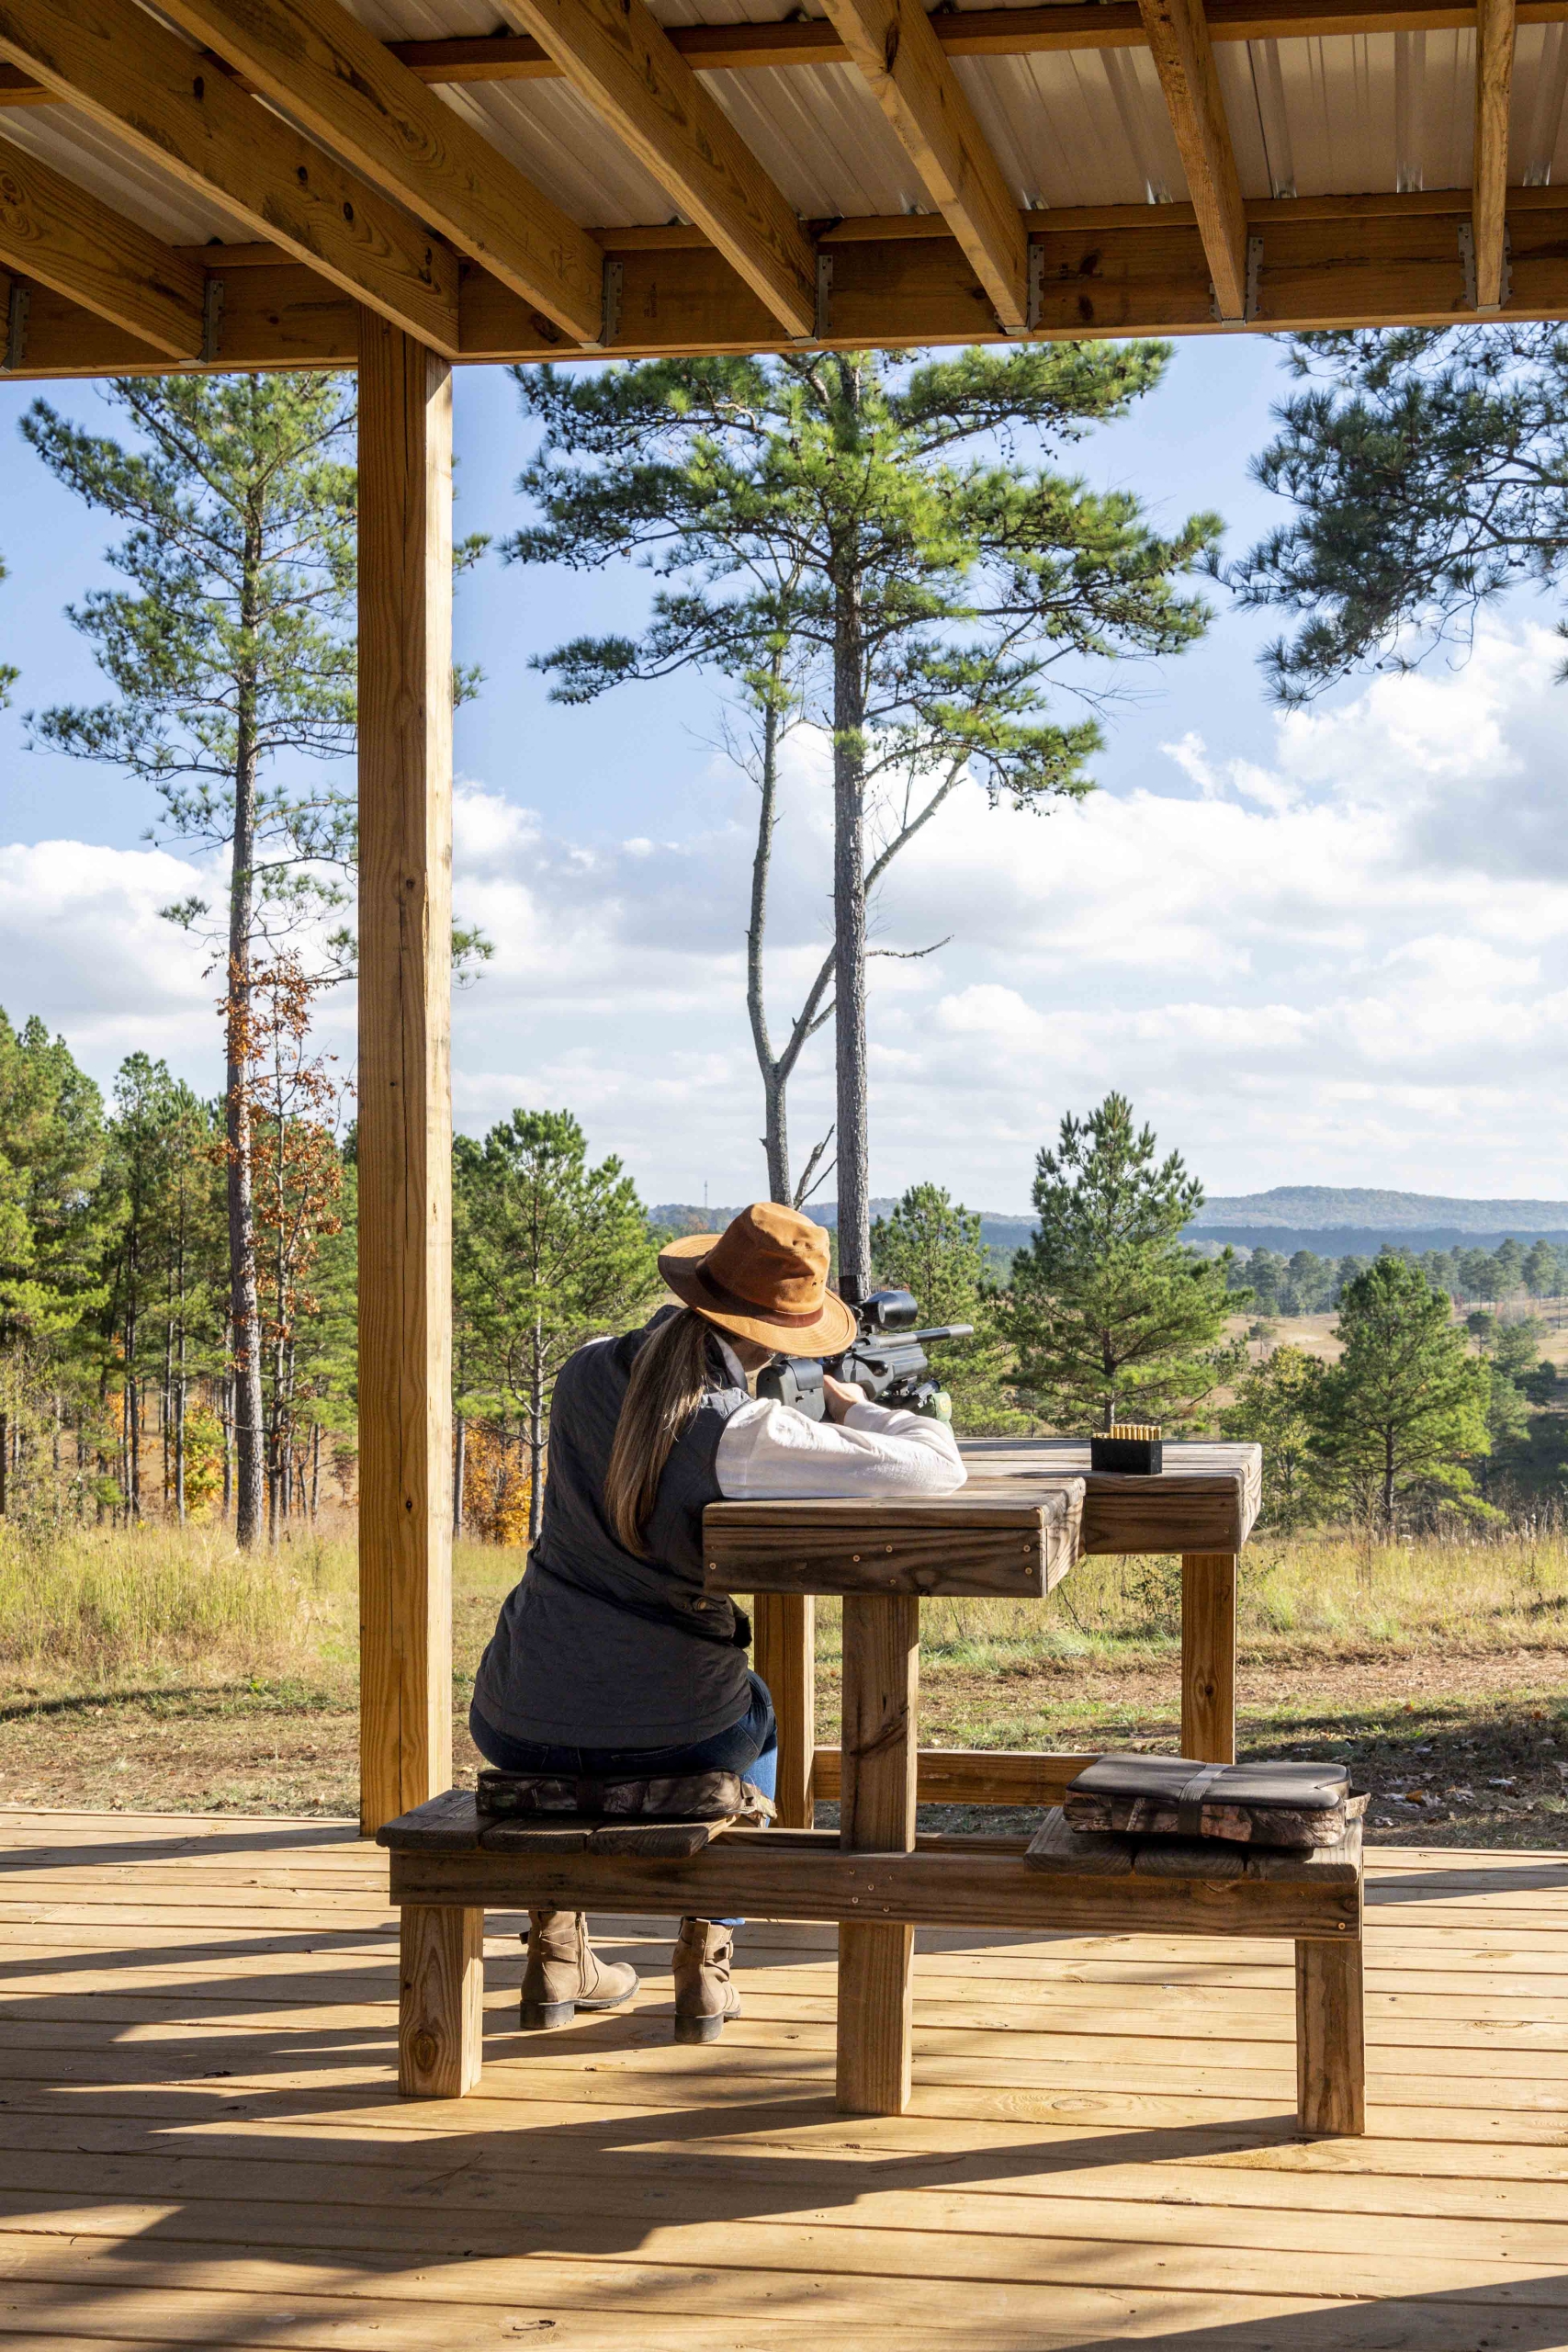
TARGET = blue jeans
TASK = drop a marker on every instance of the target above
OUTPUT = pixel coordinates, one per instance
(750, 1747)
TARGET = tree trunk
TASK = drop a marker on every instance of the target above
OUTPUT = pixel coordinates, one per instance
(1388, 1486)
(459, 1469)
(775, 1130)
(849, 927)
(244, 1313)
(536, 1437)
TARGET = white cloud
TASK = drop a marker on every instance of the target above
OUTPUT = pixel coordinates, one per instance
(1345, 962)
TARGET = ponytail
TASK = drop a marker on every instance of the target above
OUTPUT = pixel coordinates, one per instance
(667, 1381)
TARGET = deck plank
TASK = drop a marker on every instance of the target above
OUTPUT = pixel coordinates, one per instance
(200, 2143)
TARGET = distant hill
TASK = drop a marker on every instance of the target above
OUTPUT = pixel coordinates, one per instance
(1001, 1233)
(1332, 1220)
(1335, 1219)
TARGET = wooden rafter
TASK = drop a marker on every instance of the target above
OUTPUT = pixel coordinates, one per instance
(618, 57)
(111, 59)
(343, 84)
(1106, 270)
(967, 33)
(55, 232)
(1489, 176)
(1179, 39)
(914, 84)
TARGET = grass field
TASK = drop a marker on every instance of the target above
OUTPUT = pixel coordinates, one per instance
(152, 1670)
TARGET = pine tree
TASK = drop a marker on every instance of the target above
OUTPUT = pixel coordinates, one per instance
(51, 1154)
(1428, 468)
(930, 1245)
(1111, 1316)
(1406, 1406)
(233, 643)
(854, 508)
(1274, 1408)
(8, 674)
(549, 1251)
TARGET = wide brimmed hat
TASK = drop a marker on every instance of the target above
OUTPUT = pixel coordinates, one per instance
(764, 1278)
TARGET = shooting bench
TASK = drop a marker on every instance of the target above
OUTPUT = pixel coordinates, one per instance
(1029, 1512)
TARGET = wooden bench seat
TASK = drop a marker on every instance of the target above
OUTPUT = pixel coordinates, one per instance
(448, 1867)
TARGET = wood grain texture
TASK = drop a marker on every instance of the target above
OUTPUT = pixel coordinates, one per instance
(974, 1776)
(1179, 40)
(912, 81)
(55, 232)
(350, 91)
(1205, 1500)
(991, 1538)
(785, 1654)
(1329, 261)
(405, 1112)
(806, 1875)
(1331, 2057)
(441, 1975)
(141, 81)
(617, 56)
(876, 1814)
(1208, 1656)
(1494, 30)
(1062, 27)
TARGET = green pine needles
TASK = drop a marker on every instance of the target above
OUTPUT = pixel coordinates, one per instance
(1112, 1316)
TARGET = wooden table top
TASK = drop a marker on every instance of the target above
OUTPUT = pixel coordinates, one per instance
(1205, 1498)
(1031, 1508)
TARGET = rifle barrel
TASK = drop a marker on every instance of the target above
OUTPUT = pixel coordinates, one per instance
(941, 1331)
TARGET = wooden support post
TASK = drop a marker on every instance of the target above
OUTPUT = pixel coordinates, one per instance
(1208, 1656)
(441, 1985)
(785, 1630)
(405, 1116)
(1331, 2059)
(876, 1814)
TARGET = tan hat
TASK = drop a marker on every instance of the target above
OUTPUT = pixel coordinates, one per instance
(764, 1278)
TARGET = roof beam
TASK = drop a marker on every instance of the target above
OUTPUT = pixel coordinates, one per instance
(1106, 271)
(1496, 22)
(619, 58)
(340, 82)
(1179, 40)
(111, 59)
(913, 82)
(54, 232)
(1061, 26)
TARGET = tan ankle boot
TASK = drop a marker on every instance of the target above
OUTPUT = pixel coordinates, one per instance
(704, 1994)
(564, 1975)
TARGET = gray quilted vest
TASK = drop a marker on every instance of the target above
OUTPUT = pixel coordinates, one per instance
(594, 1648)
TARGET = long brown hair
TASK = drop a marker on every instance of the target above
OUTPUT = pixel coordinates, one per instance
(669, 1377)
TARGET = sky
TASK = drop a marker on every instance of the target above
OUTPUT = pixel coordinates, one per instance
(1322, 948)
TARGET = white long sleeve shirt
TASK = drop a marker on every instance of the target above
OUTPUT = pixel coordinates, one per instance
(771, 1452)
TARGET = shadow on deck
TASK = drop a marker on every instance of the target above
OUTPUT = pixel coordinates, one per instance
(200, 2140)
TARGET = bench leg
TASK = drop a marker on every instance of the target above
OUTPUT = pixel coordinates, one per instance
(877, 1814)
(441, 1983)
(1331, 2057)
(876, 2017)
(786, 1658)
(1208, 1656)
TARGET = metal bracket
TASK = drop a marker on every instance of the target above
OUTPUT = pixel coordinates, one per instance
(211, 319)
(613, 287)
(17, 309)
(1036, 297)
(1249, 294)
(824, 320)
(1467, 269)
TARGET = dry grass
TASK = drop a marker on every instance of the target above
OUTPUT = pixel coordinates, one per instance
(168, 1672)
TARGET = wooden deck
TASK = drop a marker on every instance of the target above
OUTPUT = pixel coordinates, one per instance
(201, 2144)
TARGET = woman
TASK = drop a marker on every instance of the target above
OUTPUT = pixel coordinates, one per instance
(608, 1659)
